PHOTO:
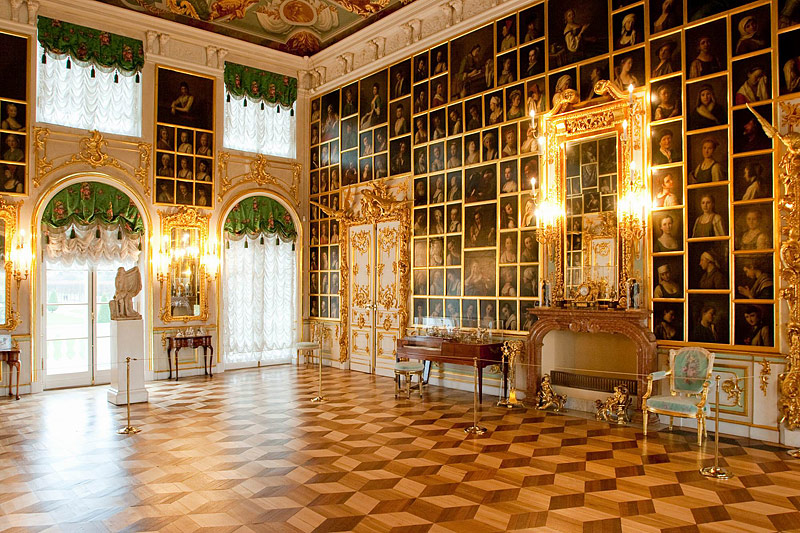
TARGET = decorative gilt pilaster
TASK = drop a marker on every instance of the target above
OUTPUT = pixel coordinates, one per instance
(789, 380)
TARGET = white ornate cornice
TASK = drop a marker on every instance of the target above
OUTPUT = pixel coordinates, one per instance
(138, 25)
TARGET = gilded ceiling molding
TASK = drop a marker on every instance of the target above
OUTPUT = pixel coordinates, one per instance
(92, 151)
(258, 172)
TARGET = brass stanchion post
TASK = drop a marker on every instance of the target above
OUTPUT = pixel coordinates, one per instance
(716, 471)
(129, 429)
(503, 401)
(474, 429)
(319, 398)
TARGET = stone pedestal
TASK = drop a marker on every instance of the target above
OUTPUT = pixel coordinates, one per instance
(127, 340)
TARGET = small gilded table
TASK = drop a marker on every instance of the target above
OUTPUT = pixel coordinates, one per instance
(194, 341)
(12, 358)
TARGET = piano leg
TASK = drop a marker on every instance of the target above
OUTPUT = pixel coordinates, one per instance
(426, 372)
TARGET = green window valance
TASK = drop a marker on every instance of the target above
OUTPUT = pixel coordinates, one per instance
(260, 85)
(261, 215)
(91, 203)
(86, 45)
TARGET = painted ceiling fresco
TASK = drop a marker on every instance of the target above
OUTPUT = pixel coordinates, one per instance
(300, 27)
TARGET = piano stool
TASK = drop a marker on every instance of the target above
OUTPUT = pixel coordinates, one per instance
(407, 369)
(308, 347)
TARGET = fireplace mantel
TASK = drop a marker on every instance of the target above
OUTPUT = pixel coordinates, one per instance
(632, 323)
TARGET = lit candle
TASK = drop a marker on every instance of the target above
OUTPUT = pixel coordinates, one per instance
(630, 94)
(533, 183)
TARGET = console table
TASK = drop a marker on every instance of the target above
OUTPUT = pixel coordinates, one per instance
(632, 323)
(195, 341)
(12, 358)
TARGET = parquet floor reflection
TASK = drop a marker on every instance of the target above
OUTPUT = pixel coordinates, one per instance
(247, 451)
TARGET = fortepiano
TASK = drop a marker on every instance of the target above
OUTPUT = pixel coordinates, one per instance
(438, 349)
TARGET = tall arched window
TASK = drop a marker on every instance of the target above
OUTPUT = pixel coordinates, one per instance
(89, 230)
(259, 279)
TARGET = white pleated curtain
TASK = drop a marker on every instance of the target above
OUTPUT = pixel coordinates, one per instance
(103, 245)
(259, 288)
(263, 131)
(110, 102)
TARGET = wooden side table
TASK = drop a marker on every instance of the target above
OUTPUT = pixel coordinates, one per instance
(12, 358)
(196, 341)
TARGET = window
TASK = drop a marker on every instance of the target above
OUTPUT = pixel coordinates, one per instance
(87, 97)
(259, 111)
(256, 127)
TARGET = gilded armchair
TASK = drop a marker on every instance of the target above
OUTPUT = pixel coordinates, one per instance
(689, 378)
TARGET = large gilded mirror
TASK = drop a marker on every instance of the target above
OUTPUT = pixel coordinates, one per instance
(181, 267)
(592, 206)
(9, 318)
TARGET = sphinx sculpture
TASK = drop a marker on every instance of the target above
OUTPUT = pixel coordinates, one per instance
(128, 283)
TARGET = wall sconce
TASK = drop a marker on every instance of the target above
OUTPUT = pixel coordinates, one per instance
(161, 259)
(633, 207)
(21, 257)
(210, 260)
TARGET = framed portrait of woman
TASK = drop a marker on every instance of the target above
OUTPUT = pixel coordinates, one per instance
(665, 14)
(753, 325)
(373, 99)
(400, 79)
(629, 69)
(577, 32)
(479, 273)
(668, 231)
(420, 245)
(708, 265)
(707, 103)
(708, 157)
(750, 30)
(665, 99)
(488, 318)
(628, 28)
(329, 125)
(753, 226)
(531, 24)
(752, 179)
(668, 321)
(752, 79)
(789, 61)
(754, 276)
(705, 50)
(708, 212)
(472, 60)
(668, 277)
(709, 316)
(184, 98)
(590, 74)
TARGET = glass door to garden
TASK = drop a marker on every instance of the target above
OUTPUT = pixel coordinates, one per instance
(77, 325)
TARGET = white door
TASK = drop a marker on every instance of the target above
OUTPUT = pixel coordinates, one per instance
(375, 296)
(77, 325)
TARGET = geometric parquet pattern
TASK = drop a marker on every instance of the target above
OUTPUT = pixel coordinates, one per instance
(247, 451)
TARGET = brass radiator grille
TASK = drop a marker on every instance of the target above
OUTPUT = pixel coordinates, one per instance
(595, 383)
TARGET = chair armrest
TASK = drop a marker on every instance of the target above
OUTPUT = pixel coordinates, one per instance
(704, 394)
(655, 376)
(661, 374)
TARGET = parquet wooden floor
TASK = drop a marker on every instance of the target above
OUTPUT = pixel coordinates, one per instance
(247, 451)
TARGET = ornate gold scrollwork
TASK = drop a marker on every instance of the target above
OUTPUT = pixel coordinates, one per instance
(93, 152)
(763, 376)
(789, 381)
(731, 387)
(8, 214)
(258, 172)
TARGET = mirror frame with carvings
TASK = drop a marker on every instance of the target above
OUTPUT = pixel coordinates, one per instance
(620, 113)
(8, 214)
(186, 218)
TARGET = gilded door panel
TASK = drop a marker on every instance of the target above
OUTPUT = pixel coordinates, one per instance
(387, 293)
(362, 295)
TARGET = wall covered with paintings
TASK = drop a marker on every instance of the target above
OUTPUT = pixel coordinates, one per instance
(453, 121)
